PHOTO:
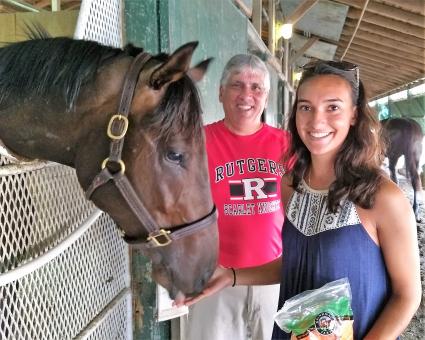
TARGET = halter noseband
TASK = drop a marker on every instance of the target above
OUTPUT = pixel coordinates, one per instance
(117, 128)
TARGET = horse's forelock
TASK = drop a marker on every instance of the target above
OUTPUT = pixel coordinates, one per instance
(179, 111)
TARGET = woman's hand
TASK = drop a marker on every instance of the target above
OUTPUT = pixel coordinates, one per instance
(221, 278)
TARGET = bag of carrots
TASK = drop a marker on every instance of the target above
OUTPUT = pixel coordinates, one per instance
(323, 313)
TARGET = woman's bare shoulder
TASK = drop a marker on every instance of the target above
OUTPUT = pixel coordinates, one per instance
(391, 203)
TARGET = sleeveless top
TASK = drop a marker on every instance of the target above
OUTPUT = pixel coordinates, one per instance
(320, 247)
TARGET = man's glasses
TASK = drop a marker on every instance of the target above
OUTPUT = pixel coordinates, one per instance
(345, 69)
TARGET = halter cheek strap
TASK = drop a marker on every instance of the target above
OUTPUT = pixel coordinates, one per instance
(117, 129)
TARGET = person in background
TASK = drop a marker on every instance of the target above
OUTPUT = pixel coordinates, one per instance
(344, 217)
(245, 166)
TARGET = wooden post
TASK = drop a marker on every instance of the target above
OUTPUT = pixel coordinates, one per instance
(56, 5)
(257, 13)
(272, 19)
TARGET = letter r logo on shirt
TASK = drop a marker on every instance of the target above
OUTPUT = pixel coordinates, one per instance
(252, 185)
(253, 188)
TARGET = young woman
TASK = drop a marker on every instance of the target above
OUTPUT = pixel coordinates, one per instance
(344, 217)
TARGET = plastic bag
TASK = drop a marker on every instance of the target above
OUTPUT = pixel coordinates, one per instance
(323, 313)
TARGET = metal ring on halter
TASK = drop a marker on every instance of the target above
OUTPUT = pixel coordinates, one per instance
(124, 128)
(161, 233)
(120, 162)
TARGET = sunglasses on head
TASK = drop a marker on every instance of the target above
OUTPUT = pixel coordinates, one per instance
(345, 69)
(340, 65)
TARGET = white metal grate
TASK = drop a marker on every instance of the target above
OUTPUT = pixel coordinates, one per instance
(37, 210)
(64, 271)
(93, 24)
(60, 299)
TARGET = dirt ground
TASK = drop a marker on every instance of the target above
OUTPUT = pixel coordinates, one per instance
(416, 328)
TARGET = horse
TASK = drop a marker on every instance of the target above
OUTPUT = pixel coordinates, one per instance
(130, 124)
(404, 137)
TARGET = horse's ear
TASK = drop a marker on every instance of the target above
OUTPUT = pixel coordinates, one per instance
(197, 73)
(175, 67)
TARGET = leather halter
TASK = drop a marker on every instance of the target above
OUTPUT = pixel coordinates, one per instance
(117, 128)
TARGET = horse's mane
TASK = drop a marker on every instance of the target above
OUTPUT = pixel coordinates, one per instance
(47, 67)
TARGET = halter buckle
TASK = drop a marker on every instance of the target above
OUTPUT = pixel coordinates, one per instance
(124, 128)
(120, 162)
(163, 240)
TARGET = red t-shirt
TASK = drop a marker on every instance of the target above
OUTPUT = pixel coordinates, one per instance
(245, 174)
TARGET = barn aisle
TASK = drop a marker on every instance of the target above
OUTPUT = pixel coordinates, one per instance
(416, 329)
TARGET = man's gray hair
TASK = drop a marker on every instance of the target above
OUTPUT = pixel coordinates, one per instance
(241, 61)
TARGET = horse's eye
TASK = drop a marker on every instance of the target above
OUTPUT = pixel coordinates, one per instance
(174, 157)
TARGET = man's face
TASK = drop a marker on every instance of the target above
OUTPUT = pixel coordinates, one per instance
(244, 97)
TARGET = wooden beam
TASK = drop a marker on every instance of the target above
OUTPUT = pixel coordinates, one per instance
(414, 6)
(393, 70)
(310, 42)
(244, 8)
(379, 40)
(384, 77)
(377, 48)
(22, 5)
(389, 33)
(257, 15)
(390, 73)
(272, 32)
(389, 12)
(299, 12)
(359, 21)
(371, 80)
(56, 5)
(389, 59)
(381, 65)
(48, 3)
(399, 26)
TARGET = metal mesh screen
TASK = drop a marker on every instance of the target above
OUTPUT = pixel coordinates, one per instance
(37, 210)
(93, 24)
(64, 274)
(60, 299)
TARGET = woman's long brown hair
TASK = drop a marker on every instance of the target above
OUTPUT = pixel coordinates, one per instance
(357, 164)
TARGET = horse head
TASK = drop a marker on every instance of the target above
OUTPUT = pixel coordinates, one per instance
(164, 205)
(131, 126)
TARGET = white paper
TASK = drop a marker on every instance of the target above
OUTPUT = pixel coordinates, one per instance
(166, 310)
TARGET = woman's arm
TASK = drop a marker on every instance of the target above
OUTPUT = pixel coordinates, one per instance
(265, 274)
(397, 235)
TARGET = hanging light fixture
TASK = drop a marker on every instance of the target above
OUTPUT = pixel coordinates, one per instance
(285, 31)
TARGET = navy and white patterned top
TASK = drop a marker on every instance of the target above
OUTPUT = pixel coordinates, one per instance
(320, 247)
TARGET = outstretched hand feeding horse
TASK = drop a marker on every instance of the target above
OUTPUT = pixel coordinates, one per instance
(130, 124)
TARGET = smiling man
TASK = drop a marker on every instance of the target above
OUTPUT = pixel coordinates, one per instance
(244, 159)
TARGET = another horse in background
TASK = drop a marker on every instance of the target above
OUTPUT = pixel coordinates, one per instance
(404, 137)
(130, 124)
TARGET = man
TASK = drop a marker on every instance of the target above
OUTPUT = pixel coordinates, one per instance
(244, 158)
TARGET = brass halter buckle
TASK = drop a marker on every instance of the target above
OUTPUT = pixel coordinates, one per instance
(120, 162)
(161, 238)
(123, 129)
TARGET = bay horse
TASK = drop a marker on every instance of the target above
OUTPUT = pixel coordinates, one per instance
(404, 137)
(130, 124)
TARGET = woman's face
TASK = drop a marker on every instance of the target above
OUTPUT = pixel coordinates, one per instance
(325, 113)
